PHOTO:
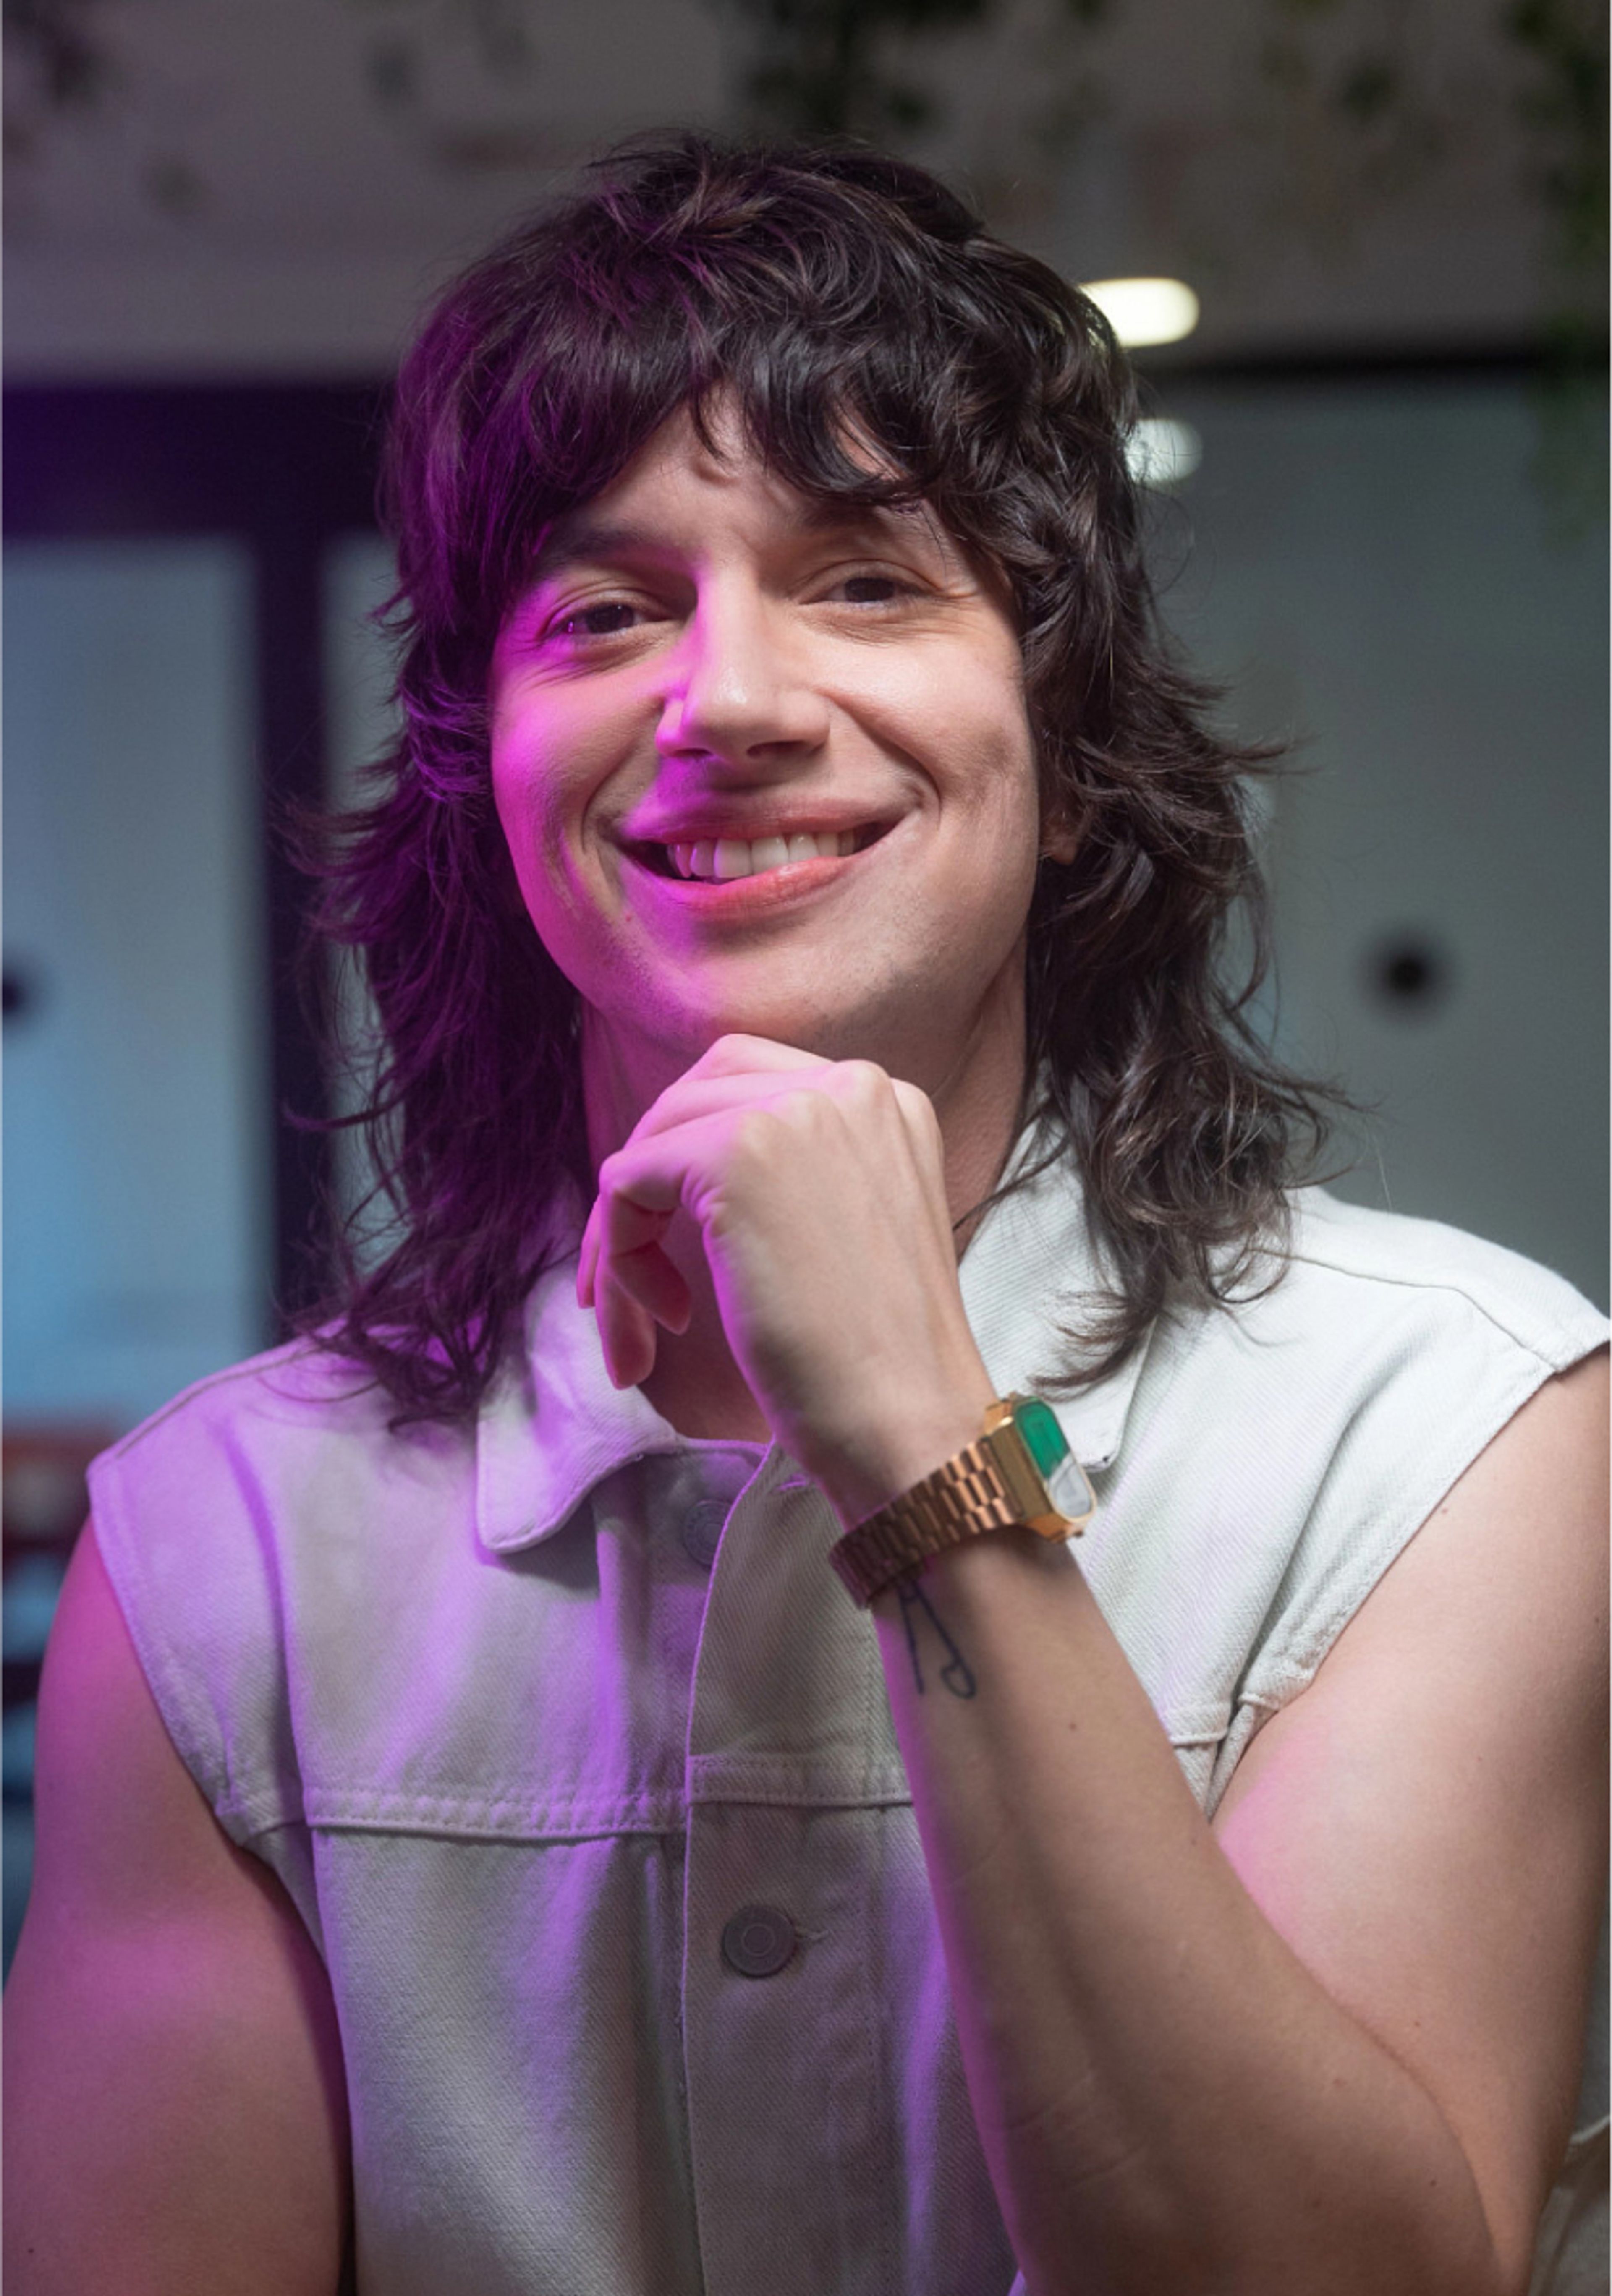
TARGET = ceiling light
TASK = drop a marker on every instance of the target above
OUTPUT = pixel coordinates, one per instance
(1162, 454)
(1143, 311)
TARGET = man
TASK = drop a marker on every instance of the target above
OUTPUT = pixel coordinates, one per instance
(674, 1813)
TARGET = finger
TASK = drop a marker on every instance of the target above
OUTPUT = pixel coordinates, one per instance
(735, 1054)
(694, 1098)
(618, 1229)
(917, 1108)
(626, 1336)
(640, 1187)
(588, 1257)
(731, 1073)
(921, 1127)
(927, 1145)
(591, 1253)
(649, 1277)
(708, 1091)
(643, 1185)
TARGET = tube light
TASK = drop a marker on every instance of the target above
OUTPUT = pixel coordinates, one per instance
(1143, 311)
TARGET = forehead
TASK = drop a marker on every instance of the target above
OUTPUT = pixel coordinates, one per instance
(677, 468)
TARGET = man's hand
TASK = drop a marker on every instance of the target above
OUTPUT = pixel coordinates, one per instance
(819, 1188)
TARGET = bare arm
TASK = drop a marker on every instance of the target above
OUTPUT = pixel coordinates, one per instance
(1330, 2043)
(174, 2112)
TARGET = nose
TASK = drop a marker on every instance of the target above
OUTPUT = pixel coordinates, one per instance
(741, 690)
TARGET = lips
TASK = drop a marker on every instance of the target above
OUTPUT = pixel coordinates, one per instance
(719, 859)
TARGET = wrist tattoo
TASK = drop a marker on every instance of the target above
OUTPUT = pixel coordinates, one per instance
(956, 1674)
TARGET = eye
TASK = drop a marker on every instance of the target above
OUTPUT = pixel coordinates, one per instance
(606, 618)
(875, 588)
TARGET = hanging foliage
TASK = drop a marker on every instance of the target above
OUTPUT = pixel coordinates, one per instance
(822, 67)
(1343, 97)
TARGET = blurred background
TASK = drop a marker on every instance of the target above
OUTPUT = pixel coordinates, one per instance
(1377, 465)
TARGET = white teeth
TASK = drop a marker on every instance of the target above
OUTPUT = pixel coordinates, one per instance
(724, 858)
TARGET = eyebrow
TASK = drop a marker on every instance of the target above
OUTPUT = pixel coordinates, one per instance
(574, 537)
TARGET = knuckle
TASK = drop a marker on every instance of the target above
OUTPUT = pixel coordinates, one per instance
(755, 1134)
(918, 1107)
(864, 1080)
(717, 1058)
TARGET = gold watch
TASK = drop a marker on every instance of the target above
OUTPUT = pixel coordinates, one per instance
(1020, 1471)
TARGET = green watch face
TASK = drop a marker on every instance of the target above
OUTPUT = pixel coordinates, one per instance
(1066, 1485)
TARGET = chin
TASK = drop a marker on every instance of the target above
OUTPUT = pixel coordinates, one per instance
(890, 1039)
(808, 1032)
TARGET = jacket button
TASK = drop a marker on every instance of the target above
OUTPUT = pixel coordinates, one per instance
(702, 1531)
(758, 1942)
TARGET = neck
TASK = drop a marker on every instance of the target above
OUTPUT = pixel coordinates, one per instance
(696, 1385)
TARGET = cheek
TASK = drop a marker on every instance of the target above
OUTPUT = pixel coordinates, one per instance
(994, 774)
(531, 798)
(1002, 802)
(535, 866)
(978, 717)
(515, 801)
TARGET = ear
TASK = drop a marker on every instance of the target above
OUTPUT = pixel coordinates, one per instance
(1060, 840)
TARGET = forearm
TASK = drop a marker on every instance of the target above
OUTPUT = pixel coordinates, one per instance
(1165, 2096)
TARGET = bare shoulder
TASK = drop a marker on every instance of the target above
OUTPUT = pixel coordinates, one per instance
(175, 2113)
(1507, 1580)
(1426, 1823)
(116, 1806)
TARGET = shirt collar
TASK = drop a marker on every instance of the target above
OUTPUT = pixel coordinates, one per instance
(553, 1426)
(1030, 1268)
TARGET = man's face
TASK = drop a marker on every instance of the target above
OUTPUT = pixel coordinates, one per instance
(705, 660)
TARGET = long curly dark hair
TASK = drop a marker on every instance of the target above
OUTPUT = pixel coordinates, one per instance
(837, 293)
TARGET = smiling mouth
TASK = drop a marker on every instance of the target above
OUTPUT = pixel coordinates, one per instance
(720, 861)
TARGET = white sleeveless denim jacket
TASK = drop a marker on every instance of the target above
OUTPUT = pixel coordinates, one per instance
(523, 1717)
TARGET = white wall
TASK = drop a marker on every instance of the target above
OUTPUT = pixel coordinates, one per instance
(136, 1111)
(1374, 567)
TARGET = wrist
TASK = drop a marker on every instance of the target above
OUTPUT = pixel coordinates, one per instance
(1017, 1473)
(863, 1473)
(976, 1571)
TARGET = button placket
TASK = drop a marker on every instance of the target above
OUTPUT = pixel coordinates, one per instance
(781, 2064)
(759, 1941)
(778, 2023)
(702, 1531)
